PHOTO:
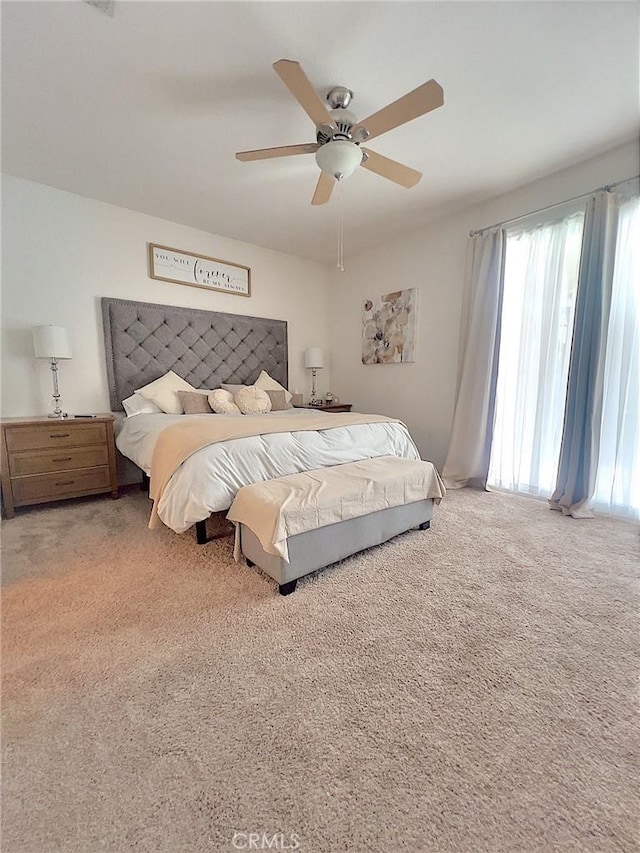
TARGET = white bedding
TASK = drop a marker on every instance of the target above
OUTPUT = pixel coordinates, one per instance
(209, 479)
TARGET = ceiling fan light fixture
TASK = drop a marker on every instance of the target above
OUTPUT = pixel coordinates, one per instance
(339, 134)
(339, 158)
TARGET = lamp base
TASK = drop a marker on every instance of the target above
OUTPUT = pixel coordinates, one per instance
(57, 411)
(315, 402)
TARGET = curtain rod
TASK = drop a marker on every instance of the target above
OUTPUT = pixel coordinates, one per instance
(605, 188)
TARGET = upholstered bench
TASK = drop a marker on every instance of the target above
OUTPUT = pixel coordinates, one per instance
(294, 525)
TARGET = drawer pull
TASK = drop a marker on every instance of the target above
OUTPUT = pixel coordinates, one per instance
(61, 435)
(66, 459)
(66, 483)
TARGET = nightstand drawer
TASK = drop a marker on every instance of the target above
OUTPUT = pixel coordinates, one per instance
(36, 436)
(45, 461)
(27, 489)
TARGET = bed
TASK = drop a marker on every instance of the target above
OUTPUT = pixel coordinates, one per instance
(143, 341)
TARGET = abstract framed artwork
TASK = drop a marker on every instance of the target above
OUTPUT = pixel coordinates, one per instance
(389, 328)
(166, 264)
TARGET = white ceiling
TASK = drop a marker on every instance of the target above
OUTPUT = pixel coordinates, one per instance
(146, 109)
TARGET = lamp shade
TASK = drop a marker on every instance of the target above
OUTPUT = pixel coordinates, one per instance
(51, 342)
(313, 357)
(339, 158)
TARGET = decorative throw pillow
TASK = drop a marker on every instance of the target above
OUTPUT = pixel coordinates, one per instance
(195, 402)
(279, 400)
(136, 404)
(265, 382)
(221, 402)
(252, 401)
(162, 392)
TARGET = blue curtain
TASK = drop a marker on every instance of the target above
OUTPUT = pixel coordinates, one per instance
(583, 409)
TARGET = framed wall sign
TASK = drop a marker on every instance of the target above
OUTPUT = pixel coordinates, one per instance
(166, 264)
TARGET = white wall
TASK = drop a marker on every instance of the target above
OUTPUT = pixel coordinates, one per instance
(422, 393)
(62, 252)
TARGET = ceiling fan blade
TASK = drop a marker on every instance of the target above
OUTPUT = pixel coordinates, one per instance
(324, 188)
(422, 100)
(391, 169)
(282, 151)
(296, 81)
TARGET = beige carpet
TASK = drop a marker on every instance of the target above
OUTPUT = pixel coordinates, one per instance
(470, 688)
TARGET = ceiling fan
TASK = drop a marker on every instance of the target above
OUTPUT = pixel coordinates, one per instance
(339, 134)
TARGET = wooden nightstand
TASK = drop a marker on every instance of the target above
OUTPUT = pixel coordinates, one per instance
(329, 407)
(46, 459)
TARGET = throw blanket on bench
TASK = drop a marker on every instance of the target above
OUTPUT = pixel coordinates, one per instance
(177, 443)
(280, 508)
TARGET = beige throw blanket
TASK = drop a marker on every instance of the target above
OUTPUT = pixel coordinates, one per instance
(277, 509)
(178, 442)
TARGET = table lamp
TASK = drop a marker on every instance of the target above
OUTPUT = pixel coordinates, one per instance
(52, 342)
(314, 360)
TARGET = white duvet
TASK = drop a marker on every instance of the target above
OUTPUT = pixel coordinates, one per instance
(209, 479)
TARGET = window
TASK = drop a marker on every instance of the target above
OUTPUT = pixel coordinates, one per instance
(618, 478)
(540, 283)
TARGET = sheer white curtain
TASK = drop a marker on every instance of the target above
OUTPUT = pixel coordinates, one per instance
(618, 473)
(540, 280)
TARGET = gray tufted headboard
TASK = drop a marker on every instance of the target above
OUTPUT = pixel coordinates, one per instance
(143, 341)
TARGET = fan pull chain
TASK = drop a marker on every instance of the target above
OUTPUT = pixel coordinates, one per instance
(340, 264)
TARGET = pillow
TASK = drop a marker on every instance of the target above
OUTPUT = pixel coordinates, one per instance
(252, 401)
(233, 389)
(136, 404)
(265, 382)
(195, 402)
(221, 402)
(278, 400)
(162, 392)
